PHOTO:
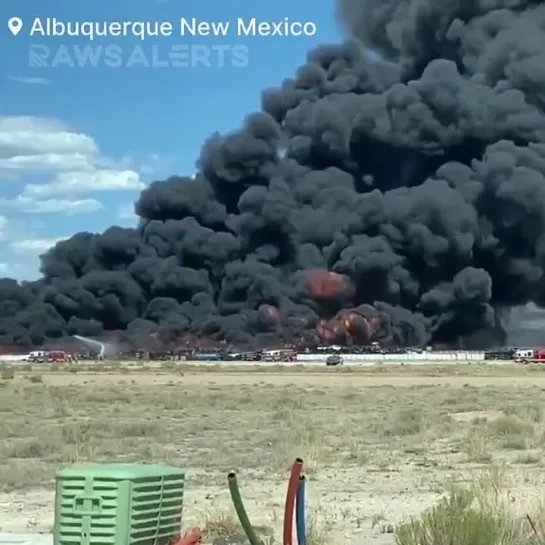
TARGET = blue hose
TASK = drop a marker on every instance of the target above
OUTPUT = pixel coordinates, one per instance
(300, 522)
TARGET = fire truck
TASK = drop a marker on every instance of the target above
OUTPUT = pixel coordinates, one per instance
(282, 355)
(59, 356)
(538, 356)
(532, 355)
(52, 356)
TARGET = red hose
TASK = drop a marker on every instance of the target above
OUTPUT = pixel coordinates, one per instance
(192, 537)
(296, 472)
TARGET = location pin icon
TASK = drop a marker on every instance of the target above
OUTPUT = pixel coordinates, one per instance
(15, 24)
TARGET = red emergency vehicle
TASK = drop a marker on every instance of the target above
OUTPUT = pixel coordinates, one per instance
(539, 355)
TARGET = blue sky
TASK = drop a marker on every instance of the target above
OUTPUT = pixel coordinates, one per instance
(78, 143)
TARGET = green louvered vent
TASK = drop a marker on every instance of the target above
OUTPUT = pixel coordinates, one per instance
(118, 504)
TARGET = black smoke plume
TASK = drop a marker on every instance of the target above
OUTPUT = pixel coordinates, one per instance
(417, 179)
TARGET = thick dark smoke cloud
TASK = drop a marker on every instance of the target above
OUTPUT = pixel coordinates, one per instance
(418, 180)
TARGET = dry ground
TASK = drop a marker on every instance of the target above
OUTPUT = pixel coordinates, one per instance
(379, 444)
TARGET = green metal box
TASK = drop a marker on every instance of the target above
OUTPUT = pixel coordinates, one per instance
(118, 504)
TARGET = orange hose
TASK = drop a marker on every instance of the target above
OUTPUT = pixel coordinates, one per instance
(193, 536)
(296, 472)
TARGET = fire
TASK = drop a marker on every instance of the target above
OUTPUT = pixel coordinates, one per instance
(328, 285)
(349, 326)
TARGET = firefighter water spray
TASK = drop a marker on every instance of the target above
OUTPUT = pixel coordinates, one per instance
(94, 343)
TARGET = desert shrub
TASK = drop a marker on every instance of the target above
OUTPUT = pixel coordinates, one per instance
(223, 525)
(7, 372)
(462, 518)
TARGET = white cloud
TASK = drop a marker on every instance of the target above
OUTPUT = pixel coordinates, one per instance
(29, 80)
(51, 162)
(54, 206)
(60, 170)
(22, 241)
(25, 135)
(70, 161)
(33, 246)
(85, 182)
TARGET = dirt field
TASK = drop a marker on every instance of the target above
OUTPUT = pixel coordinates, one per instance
(379, 444)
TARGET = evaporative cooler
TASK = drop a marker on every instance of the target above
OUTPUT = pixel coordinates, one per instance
(118, 504)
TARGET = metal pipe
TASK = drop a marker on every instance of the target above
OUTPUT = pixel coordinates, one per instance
(293, 484)
(300, 519)
(240, 510)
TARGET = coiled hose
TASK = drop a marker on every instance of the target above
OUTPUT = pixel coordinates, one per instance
(240, 510)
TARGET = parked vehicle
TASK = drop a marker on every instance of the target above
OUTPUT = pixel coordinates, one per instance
(207, 355)
(38, 356)
(335, 359)
(59, 356)
(524, 355)
(539, 356)
(52, 356)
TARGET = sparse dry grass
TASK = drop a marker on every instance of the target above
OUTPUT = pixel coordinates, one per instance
(482, 513)
(373, 451)
(222, 524)
(470, 369)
